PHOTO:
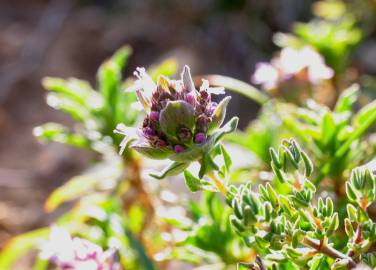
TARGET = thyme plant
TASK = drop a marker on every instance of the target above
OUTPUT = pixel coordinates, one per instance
(279, 207)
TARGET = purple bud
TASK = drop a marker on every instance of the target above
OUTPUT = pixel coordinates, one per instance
(148, 132)
(200, 137)
(154, 116)
(190, 98)
(178, 148)
(184, 134)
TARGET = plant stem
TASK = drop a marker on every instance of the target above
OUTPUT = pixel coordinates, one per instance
(328, 250)
(218, 183)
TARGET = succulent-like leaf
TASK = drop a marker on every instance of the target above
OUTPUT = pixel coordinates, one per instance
(347, 99)
(153, 152)
(173, 169)
(219, 114)
(195, 184)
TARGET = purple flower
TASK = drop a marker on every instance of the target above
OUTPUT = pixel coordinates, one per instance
(176, 110)
(200, 138)
(154, 116)
(178, 148)
(148, 132)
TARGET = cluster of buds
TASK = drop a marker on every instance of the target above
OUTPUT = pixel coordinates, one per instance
(178, 114)
(68, 253)
(182, 123)
(360, 228)
(361, 189)
(293, 69)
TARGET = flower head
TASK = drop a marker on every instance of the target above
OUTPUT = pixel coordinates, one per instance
(76, 253)
(180, 119)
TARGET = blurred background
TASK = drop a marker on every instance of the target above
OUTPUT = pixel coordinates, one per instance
(67, 38)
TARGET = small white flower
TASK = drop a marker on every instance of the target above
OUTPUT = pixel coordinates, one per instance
(266, 75)
(75, 254)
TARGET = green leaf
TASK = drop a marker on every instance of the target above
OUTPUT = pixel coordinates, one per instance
(195, 184)
(308, 166)
(318, 263)
(78, 91)
(365, 113)
(171, 170)
(121, 56)
(351, 212)
(76, 111)
(328, 128)
(219, 114)
(347, 99)
(153, 152)
(109, 78)
(18, 246)
(349, 228)
(226, 158)
(273, 196)
(237, 223)
(207, 164)
(365, 118)
(175, 115)
(350, 192)
(229, 127)
(61, 134)
(275, 158)
(238, 86)
(167, 68)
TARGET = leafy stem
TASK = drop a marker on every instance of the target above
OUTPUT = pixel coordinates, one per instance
(324, 248)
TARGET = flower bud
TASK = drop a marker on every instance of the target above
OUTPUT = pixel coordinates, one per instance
(200, 138)
(178, 148)
(154, 116)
